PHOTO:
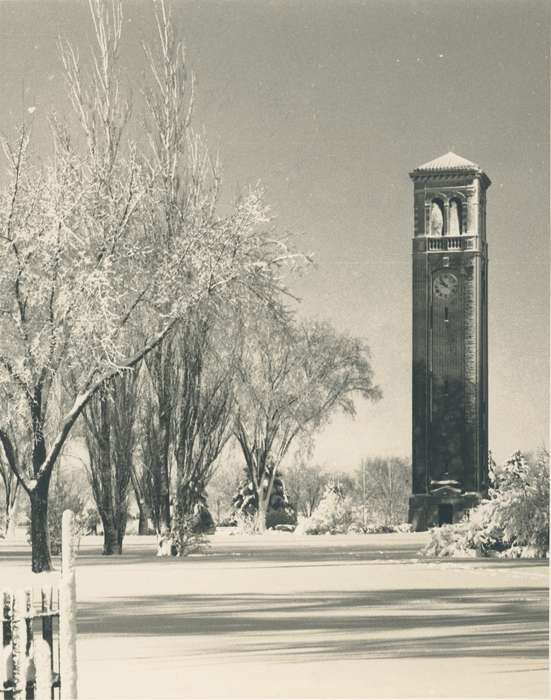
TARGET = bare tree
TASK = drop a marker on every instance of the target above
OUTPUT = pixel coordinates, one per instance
(151, 488)
(108, 238)
(110, 439)
(187, 421)
(305, 486)
(292, 378)
(158, 427)
(146, 467)
(205, 403)
(384, 485)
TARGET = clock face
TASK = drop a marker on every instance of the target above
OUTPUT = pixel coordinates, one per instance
(445, 285)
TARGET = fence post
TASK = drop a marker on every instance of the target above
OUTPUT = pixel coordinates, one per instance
(67, 610)
(6, 672)
(19, 643)
(7, 609)
(43, 669)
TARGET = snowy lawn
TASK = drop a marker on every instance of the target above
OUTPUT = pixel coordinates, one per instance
(297, 617)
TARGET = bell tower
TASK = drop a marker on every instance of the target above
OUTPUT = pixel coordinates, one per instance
(450, 341)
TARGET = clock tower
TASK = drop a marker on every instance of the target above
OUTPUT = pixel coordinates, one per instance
(450, 341)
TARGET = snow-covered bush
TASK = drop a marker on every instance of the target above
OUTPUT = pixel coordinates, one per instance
(185, 537)
(202, 521)
(449, 541)
(188, 531)
(376, 527)
(245, 504)
(283, 516)
(339, 513)
(334, 514)
(522, 508)
(512, 522)
(246, 524)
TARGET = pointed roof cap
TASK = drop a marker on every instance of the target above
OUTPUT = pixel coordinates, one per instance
(449, 161)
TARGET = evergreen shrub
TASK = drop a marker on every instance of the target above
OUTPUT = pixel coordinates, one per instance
(512, 522)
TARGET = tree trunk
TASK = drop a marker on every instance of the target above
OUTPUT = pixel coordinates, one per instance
(110, 537)
(120, 537)
(260, 517)
(105, 508)
(164, 479)
(163, 528)
(40, 536)
(113, 536)
(143, 519)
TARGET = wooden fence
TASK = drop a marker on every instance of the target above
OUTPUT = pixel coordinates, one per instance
(39, 633)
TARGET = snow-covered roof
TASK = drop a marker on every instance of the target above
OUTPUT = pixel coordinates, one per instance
(449, 161)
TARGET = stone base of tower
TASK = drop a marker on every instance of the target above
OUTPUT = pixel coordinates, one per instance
(433, 510)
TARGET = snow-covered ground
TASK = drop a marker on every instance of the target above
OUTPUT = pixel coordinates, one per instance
(299, 617)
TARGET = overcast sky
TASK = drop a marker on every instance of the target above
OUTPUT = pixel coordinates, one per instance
(330, 105)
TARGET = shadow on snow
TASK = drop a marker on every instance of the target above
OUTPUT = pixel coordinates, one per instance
(509, 622)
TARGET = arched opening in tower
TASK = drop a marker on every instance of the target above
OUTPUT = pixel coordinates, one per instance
(436, 227)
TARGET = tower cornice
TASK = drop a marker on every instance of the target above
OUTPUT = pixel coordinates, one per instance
(450, 166)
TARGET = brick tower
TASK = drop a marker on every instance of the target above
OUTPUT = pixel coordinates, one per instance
(450, 340)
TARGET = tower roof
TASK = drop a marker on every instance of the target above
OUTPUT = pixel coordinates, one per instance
(449, 161)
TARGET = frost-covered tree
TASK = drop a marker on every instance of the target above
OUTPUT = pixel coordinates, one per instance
(512, 522)
(150, 485)
(334, 513)
(190, 401)
(110, 439)
(206, 364)
(159, 397)
(305, 486)
(383, 485)
(111, 236)
(293, 376)
(520, 500)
